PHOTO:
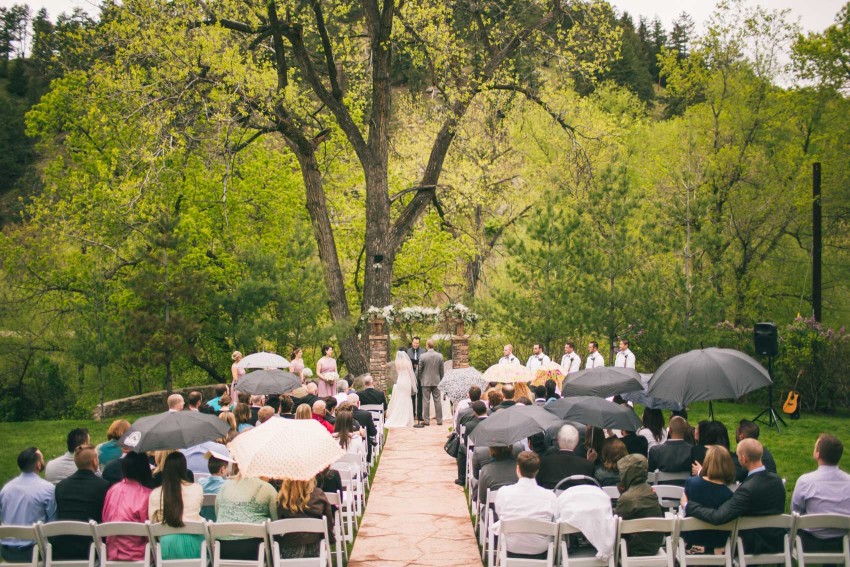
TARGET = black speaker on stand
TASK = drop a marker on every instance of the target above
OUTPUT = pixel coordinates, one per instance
(766, 340)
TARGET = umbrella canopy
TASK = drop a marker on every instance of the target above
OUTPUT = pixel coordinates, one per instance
(457, 381)
(507, 426)
(707, 374)
(268, 382)
(508, 374)
(263, 360)
(173, 430)
(602, 382)
(640, 397)
(295, 449)
(594, 411)
(549, 371)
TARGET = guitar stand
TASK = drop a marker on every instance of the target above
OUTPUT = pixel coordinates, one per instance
(768, 416)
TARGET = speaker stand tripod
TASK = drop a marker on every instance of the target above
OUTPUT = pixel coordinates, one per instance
(768, 416)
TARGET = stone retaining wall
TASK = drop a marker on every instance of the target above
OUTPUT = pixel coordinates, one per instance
(148, 403)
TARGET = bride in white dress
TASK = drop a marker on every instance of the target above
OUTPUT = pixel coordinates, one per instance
(400, 409)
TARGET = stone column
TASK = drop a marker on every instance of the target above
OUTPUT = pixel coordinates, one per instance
(378, 345)
(460, 346)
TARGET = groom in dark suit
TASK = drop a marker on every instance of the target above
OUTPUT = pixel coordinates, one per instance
(415, 353)
(429, 375)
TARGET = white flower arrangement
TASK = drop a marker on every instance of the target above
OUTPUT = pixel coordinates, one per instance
(330, 376)
(387, 313)
(419, 314)
(462, 312)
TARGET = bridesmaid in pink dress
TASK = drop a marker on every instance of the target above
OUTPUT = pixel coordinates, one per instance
(326, 364)
(296, 362)
(235, 372)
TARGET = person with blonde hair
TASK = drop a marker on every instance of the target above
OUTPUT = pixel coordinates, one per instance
(304, 411)
(709, 489)
(159, 458)
(302, 499)
(235, 372)
(110, 449)
(228, 418)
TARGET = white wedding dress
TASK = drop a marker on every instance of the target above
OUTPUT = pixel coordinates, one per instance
(400, 408)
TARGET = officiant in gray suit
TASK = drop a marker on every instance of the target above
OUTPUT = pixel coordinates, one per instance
(430, 373)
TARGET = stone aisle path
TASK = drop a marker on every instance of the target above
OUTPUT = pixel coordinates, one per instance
(417, 515)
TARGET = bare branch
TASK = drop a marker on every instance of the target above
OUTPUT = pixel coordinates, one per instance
(327, 48)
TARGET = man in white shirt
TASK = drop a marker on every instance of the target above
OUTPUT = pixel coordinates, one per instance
(526, 500)
(570, 361)
(537, 359)
(509, 357)
(625, 357)
(594, 359)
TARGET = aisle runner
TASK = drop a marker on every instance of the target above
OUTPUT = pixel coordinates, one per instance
(416, 515)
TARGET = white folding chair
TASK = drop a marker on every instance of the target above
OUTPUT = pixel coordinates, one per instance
(300, 525)
(583, 557)
(233, 530)
(820, 521)
(65, 528)
(357, 460)
(200, 475)
(487, 534)
(665, 555)
(377, 411)
(783, 521)
(121, 529)
(157, 531)
(26, 533)
(468, 479)
(693, 524)
(574, 480)
(669, 496)
(665, 477)
(348, 504)
(612, 491)
(339, 549)
(353, 482)
(650, 477)
(526, 526)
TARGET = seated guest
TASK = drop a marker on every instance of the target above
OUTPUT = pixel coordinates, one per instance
(159, 458)
(174, 503)
(265, 414)
(824, 491)
(500, 471)
(215, 403)
(709, 433)
(256, 403)
(479, 410)
(330, 409)
(369, 396)
(635, 444)
(194, 400)
(367, 424)
(653, 429)
(25, 500)
(218, 465)
(526, 500)
(638, 500)
(563, 462)
(588, 508)
(674, 455)
(345, 434)
(245, 500)
(127, 501)
(111, 450)
(481, 457)
(175, 402)
(551, 390)
(341, 388)
(304, 412)
(329, 481)
(594, 438)
(319, 409)
(112, 472)
(309, 396)
(761, 494)
(244, 422)
(606, 472)
(539, 395)
(462, 410)
(197, 456)
(709, 488)
(494, 399)
(243, 398)
(79, 498)
(226, 402)
(508, 392)
(62, 467)
(750, 430)
(286, 406)
(228, 418)
(302, 499)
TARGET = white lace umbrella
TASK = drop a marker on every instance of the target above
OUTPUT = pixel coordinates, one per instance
(295, 449)
(263, 360)
(508, 374)
(457, 381)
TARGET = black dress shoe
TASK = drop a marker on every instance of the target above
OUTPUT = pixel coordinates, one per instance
(459, 482)
(419, 425)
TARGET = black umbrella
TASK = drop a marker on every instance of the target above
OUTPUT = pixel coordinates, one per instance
(173, 430)
(268, 382)
(707, 374)
(507, 426)
(594, 411)
(640, 397)
(601, 382)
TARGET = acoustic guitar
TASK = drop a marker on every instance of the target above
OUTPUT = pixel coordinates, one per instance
(792, 403)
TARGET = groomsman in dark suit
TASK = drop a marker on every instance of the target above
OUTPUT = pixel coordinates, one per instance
(415, 353)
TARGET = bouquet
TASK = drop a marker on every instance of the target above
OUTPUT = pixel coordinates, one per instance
(330, 377)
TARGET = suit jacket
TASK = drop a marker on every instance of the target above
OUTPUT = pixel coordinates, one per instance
(558, 465)
(79, 498)
(761, 494)
(415, 359)
(495, 475)
(309, 399)
(430, 371)
(635, 444)
(364, 418)
(673, 455)
(371, 396)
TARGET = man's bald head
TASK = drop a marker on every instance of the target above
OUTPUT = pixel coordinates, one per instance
(312, 388)
(175, 402)
(749, 453)
(319, 407)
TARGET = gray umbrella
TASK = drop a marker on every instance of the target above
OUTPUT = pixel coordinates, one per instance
(594, 411)
(601, 382)
(707, 374)
(640, 397)
(173, 430)
(507, 426)
(268, 382)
